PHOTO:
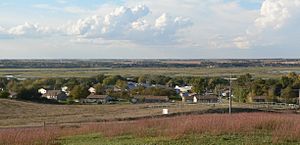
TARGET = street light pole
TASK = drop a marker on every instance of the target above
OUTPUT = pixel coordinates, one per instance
(299, 98)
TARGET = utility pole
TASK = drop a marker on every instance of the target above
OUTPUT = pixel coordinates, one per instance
(299, 98)
(230, 99)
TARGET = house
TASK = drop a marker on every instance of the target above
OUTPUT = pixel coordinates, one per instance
(42, 91)
(226, 93)
(92, 90)
(183, 89)
(13, 95)
(207, 98)
(131, 85)
(97, 99)
(55, 95)
(189, 97)
(150, 99)
(259, 99)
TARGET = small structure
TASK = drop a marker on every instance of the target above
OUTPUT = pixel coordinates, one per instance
(55, 95)
(131, 85)
(165, 111)
(42, 91)
(150, 99)
(13, 95)
(183, 89)
(189, 97)
(259, 99)
(92, 90)
(208, 98)
(97, 99)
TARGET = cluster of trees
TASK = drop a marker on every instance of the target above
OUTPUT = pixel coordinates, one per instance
(284, 89)
(78, 87)
(106, 84)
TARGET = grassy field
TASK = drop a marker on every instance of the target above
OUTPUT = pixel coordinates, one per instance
(240, 128)
(16, 113)
(88, 72)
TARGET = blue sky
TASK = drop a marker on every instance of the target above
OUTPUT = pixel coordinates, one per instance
(149, 29)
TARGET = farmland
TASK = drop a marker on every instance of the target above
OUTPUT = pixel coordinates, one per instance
(264, 72)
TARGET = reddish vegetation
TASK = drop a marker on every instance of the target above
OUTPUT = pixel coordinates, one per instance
(279, 126)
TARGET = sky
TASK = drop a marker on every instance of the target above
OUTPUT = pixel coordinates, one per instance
(149, 29)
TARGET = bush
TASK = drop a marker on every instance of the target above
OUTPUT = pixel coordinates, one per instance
(4, 94)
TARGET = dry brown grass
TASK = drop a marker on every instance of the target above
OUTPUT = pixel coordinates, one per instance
(281, 127)
(16, 113)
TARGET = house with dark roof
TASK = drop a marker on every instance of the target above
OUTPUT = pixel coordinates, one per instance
(150, 99)
(55, 95)
(207, 98)
(96, 99)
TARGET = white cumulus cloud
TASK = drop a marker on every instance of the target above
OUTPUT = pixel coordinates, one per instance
(129, 24)
(278, 20)
(29, 30)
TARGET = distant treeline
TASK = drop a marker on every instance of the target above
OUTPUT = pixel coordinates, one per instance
(105, 63)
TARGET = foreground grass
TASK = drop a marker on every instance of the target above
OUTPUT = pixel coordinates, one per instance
(226, 139)
(241, 128)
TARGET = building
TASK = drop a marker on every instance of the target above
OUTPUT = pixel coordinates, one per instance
(259, 99)
(131, 85)
(13, 95)
(42, 91)
(208, 98)
(96, 99)
(189, 97)
(55, 95)
(92, 90)
(183, 89)
(150, 99)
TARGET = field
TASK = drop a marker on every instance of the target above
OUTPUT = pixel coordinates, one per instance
(20, 114)
(264, 72)
(242, 128)
(24, 123)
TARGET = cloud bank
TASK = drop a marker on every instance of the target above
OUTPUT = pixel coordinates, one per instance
(123, 23)
(129, 24)
(277, 24)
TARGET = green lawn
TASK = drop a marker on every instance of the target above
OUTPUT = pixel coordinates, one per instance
(234, 139)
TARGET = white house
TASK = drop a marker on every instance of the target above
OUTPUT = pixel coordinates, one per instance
(42, 91)
(55, 95)
(183, 89)
(92, 90)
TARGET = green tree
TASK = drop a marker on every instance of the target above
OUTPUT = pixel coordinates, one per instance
(111, 80)
(121, 84)
(4, 94)
(288, 94)
(78, 92)
(100, 89)
(199, 85)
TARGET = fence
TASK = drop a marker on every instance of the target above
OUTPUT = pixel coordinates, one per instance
(274, 105)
